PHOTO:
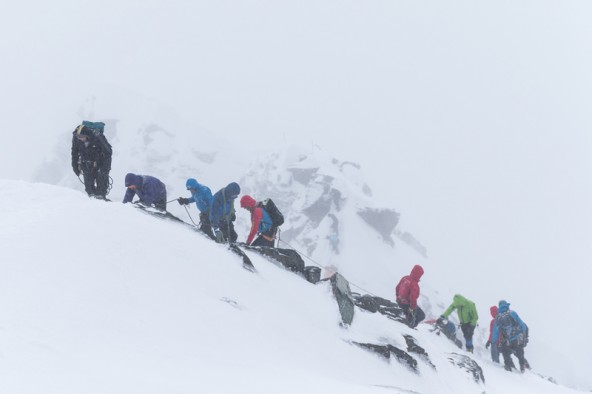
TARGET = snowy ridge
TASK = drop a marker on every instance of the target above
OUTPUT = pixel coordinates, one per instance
(98, 298)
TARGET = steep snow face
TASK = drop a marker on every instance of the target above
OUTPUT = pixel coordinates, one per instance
(98, 297)
(331, 217)
(325, 201)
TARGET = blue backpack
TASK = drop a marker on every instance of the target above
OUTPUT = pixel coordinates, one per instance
(509, 329)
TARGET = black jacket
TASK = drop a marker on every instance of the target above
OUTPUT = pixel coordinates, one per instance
(95, 152)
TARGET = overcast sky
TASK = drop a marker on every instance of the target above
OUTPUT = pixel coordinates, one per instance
(471, 118)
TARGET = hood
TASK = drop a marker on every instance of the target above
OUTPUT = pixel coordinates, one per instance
(247, 201)
(192, 184)
(416, 272)
(232, 190)
(493, 311)
(460, 299)
(133, 179)
(503, 306)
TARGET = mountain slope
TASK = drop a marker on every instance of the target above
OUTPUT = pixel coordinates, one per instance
(98, 297)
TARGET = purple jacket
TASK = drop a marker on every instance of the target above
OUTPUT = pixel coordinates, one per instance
(149, 190)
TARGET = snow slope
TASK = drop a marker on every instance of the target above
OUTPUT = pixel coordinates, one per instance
(99, 298)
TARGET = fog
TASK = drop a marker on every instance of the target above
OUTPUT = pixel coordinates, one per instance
(487, 105)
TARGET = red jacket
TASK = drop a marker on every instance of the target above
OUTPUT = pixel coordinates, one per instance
(493, 311)
(407, 290)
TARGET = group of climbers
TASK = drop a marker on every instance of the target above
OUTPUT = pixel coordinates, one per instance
(508, 333)
(91, 157)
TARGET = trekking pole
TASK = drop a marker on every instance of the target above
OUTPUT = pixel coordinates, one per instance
(188, 214)
(174, 199)
(279, 233)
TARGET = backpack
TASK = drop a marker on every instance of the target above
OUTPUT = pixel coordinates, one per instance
(96, 127)
(510, 329)
(277, 219)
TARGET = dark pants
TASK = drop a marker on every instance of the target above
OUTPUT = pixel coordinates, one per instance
(227, 228)
(205, 225)
(96, 179)
(468, 330)
(161, 204)
(262, 241)
(416, 318)
(507, 349)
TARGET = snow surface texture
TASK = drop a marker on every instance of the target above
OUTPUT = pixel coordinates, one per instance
(100, 298)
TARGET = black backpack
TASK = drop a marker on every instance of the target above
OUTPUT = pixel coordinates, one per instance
(277, 219)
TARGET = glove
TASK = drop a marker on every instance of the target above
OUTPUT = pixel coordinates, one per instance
(183, 201)
(232, 217)
(440, 321)
(76, 171)
(219, 236)
(487, 344)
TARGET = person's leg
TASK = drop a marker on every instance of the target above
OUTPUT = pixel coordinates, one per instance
(233, 235)
(204, 224)
(89, 182)
(103, 178)
(262, 241)
(161, 204)
(419, 316)
(225, 229)
(507, 353)
(468, 330)
(519, 352)
(495, 353)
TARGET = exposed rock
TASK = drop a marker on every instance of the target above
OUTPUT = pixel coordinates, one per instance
(382, 220)
(303, 175)
(410, 240)
(387, 350)
(468, 364)
(413, 347)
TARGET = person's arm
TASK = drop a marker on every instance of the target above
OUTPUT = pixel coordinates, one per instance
(129, 196)
(495, 333)
(413, 295)
(105, 146)
(519, 321)
(474, 315)
(448, 311)
(490, 330)
(255, 221)
(75, 155)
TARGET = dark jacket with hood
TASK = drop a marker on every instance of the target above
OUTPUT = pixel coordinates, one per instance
(407, 291)
(223, 205)
(94, 153)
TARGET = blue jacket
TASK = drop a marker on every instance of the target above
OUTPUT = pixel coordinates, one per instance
(222, 208)
(202, 197)
(497, 330)
(149, 190)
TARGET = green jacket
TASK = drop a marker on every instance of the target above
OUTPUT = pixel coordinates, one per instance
(467, 313)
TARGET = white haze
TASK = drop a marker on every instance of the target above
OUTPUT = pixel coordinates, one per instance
(472, 119)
